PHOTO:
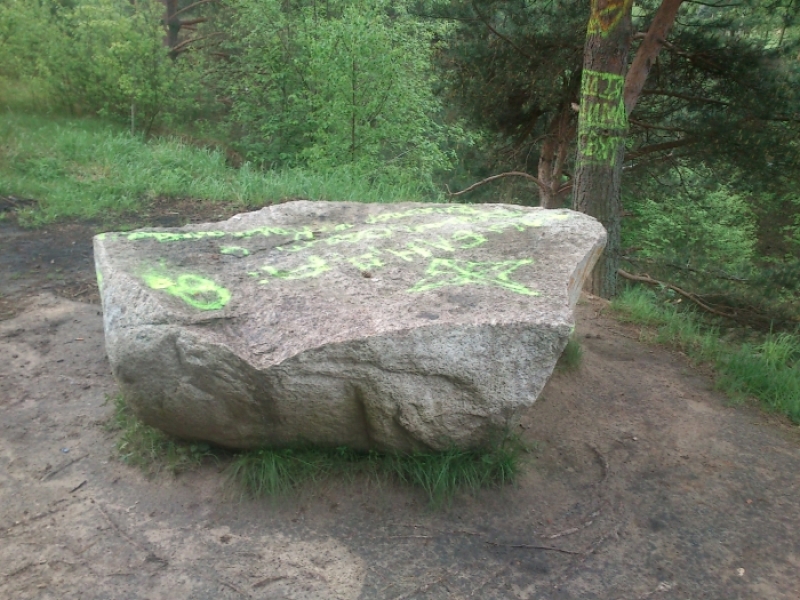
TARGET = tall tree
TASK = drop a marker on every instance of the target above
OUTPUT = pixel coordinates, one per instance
(607, 98)
(716, 92)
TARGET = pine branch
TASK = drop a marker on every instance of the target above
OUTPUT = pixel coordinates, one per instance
(659, 148)
(498, 34)
(669, 94)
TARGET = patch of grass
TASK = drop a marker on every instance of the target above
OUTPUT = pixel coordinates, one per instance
(441, 475)
(768, 370)
(150, 449)
(275, 472)
(637, 305)
(571, 357)
(88, 168)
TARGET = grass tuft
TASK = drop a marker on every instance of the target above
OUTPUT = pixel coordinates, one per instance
(276, 472)
(571, 357)
(768, 370)
(149, 449)
(441, 475)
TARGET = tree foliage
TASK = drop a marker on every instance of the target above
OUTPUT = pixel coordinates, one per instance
(99, 56)
(720, 101)
(345, 83)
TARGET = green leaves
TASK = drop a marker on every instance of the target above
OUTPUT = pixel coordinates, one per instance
(348, 84)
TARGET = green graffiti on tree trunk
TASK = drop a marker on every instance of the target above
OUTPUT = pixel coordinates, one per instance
(606, 15)
(603, 121)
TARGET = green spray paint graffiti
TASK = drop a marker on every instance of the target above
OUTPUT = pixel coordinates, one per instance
(234, 251)
(304, 238)
(606, 15)
(603, 121)
(443, 272)
(315, 267)
(457, 224)
(198, 292)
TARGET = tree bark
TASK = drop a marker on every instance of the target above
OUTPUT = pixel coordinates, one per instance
(553, 156)
(602, 126)
(172, 23)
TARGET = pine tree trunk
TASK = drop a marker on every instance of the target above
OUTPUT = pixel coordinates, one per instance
(172, 23)
(602, 128)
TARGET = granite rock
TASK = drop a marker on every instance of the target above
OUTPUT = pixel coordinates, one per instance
(382, 326)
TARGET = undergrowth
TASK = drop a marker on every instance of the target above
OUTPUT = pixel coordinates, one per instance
(275, 472)
(86, 168)
(767, 369)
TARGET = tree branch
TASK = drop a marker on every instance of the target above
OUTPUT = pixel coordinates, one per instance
(682, 268)
(644, 125)
(659, 148)
(191, 6)
(684, 97)
(188, 22)
(688, 295)
(485, 21)
(178, 48)
(648, 51)
(495, 177)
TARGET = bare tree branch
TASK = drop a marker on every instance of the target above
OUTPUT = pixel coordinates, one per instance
(684, 97)
(688, 295)
(183, 46)
(495, 177)
(659, 148)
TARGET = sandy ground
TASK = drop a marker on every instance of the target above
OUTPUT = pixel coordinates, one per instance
(645, 483)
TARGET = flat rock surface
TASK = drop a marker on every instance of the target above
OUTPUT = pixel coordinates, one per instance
(397, 326)
(664, 490)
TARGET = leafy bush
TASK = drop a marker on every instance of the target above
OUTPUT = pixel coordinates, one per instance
(99, 56)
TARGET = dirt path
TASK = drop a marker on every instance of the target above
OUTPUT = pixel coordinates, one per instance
(645, 484)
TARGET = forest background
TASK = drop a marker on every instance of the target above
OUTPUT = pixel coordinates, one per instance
(111, 104)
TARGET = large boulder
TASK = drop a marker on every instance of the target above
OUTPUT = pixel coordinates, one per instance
(385, 326)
